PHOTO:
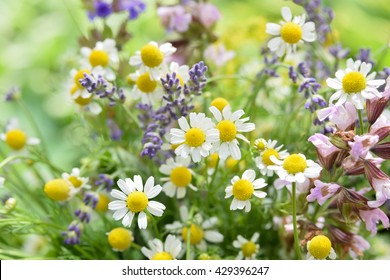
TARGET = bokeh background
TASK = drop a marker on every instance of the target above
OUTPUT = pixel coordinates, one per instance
(39, 43)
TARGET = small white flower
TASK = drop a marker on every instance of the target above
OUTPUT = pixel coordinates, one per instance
(146, 88)
(180, 177)
(196, 138)
(289, 33)
(151, 58)
(102, 57)
(264, 161)
(243, 188)
(133, 199)
(16, 138)
(230, 125)
(159, 251)
(295, 168)
(248, 248)
(200, 230)
(75, 181)
(354, 84)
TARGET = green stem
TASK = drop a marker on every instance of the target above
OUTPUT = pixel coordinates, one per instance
(11, 158)
(294, 214)
(214, 174)
(361, 122)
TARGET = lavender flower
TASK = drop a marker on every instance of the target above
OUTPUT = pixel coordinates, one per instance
(338, 52)
(364, 56)
(101, 9)
(91, 198)
(292, 74)
(115, 131)
(83, 214)
(197, 79)
(102, 88)
(73, 234)
(133, 7)
(105, 181)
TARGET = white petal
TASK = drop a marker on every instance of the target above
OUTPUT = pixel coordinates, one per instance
(183, 124)
(213, 236)
(119, 214)
(33, 141)
(156, 208)
(142, 220)
(138, 183)
(169, 189)
(127, 220)
(259, 194)
(275, 43)
(249, 175)
(117, 205)
(248, 206)
(234, 151)
(153, 192)
(181, 192)
(246, 127)
(123, 186)
(216, 113)
(149, 184)
(224, 151)
(334, 83)
(272, 29)
(286, 14)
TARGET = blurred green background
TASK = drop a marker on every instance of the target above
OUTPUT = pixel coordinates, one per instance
(39, 39)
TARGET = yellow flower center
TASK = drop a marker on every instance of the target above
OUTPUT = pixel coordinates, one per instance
(266, 157)
(212, 160)
(76, 182)
(319, 247)
(248, 249)
(80, 100)
(181, 176)
(231, 163)
(137, 201)
(151, 56)
(242, 189)
(181, 81)
(98, 57)
(227, 130)
(80, 75)
(220, 103)
(16, 139)
(145, 84)
(102, 204)
(353, 82)
(260, 144)
(294, 164)
(120, 239)
(57, 189)
(291, 33)
(162, 256)
(196, 234)
(195, 137)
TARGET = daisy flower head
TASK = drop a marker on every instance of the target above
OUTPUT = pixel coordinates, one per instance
(195, 138)
(290, 32)
(220, 103)
(180, 177)
(146, 88)
(269, 151)
(196, 230)
(243, 188)
(134, 198)
(103, 57)
(229, 126)
(248, 248)
(120, 239)
(354, 84)
(296, 168)
(320, 248)
(168, 250)
(16, 138)
(151, 58)
(75, 180)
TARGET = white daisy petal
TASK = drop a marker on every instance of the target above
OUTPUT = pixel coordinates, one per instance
(142, 220)
(119, 214)
(123, 186)
(116, 205)
(286, 14)
(127, 219)
(272, 29)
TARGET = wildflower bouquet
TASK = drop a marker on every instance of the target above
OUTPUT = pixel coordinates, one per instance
(192, 145)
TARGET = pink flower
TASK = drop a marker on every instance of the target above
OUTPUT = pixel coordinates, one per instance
(326, 151)
(207, 14)
(381, 127)
(372, 217)
(359, 244)
(362, 145)
(343, 116)
(218, 54)
(322, 191)
(379, 181)
(174, 18)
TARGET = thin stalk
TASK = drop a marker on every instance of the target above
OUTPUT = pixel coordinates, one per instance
(361, 122)
(294, 214)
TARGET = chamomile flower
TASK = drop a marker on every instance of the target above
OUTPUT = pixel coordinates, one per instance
(120, 239)
(230, 125)
(146, 88)
(264, 161)
(296, 168)
(195, 138)
(220, 103)
(15, 137)
(354, 84)
(134, 198)
(75, 180)
(102, 57)
(320, 248)
(58, 190)
(243, 188)
(289, 33)
(198, 230)
(168, 250)
(248, 248)
(180, 177)
(151, 58)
